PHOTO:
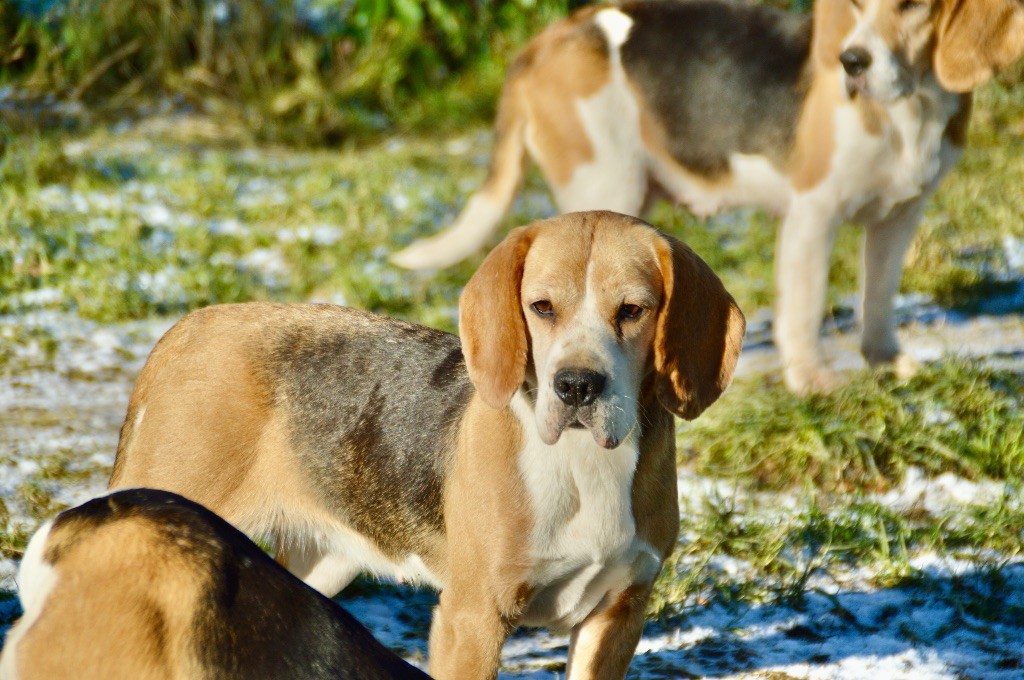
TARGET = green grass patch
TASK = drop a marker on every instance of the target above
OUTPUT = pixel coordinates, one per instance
(750, 551)
(952, 416)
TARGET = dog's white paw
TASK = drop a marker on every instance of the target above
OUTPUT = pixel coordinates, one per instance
(807, 380)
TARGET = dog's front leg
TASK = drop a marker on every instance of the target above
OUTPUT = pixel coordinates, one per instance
(801, 279)
(603, 645)
(467, 634)
(885, 246)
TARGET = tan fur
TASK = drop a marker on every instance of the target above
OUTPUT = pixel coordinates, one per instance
(602, 647)
(487, 519)
(816, 136)
(561, 66)
(146, 620)
(491, 324)
(700, 330)
(833, 21)
(976, 39)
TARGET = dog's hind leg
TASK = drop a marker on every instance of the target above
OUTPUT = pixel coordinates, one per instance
(316, 564)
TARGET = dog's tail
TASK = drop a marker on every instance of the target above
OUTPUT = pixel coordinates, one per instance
(488, 206)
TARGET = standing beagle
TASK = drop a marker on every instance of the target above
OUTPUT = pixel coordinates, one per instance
(146, 585)
(528, 471)
(854, 115)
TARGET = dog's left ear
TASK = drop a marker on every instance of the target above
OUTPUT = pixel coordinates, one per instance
(976, 39)
(699, 333)
(491, 323)
(833, 21)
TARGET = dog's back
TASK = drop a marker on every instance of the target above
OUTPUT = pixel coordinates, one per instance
(145, 584)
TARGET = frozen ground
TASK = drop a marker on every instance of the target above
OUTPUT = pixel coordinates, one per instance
(60, 427)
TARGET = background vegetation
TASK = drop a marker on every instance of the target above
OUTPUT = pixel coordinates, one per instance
(296, 70)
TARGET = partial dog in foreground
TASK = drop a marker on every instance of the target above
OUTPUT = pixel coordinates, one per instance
(528, 471)
(856, 114)
(144, 584)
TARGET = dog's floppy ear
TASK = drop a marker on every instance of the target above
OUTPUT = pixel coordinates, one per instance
(491, 323)
(833, 21)
(699, 333)
(976, 39)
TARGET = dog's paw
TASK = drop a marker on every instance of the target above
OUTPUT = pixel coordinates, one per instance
(905, 367)
(814, 380)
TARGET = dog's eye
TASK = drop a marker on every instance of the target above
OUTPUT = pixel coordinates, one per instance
(630, 312)
(543, 308)
(908, 5)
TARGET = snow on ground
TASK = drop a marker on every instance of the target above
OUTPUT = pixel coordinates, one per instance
(67, 400)
(848, 632)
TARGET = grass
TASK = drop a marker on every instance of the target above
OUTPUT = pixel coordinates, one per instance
(951, 417)
(740, 552)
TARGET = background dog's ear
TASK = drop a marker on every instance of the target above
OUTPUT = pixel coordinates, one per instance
(491, 323)
(976, 39)
(833, 21)
(699, 334)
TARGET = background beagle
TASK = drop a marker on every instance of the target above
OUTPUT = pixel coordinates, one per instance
(144, 584)
(856, 114)
(528, 471)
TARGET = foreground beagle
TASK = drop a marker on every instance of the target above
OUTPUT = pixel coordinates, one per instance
(528, 472)
(145, 585)
(856, 114)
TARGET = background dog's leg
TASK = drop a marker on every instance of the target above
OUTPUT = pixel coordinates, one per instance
(801, 277)
(603, 645)
(466, 636)
(885, 246)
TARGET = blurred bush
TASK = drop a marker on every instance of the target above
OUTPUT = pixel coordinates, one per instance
(297, 70)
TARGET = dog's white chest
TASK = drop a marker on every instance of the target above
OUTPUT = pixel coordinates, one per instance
(584, 546)
(905, 162)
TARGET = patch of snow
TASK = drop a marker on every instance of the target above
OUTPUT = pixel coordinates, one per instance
(269, 264)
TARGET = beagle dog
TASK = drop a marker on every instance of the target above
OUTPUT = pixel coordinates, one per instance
(854, 115)
(146, 585)
(528, 471)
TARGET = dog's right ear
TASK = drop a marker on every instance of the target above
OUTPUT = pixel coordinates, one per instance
(833, 21)
(491, 323)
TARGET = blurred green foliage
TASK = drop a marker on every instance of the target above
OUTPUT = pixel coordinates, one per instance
(294, 70)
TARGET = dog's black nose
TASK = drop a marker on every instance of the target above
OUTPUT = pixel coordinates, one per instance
(578, 387)
(855, 60)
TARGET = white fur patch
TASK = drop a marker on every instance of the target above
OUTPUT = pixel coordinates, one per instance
(871, 174)
(615, 179)
(331, 555)
(585, 550)
(616, 26)
(36, 579)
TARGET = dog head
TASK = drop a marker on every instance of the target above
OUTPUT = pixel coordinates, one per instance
(587, 310)
(887, 48)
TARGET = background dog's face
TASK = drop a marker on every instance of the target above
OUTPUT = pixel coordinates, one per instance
(582, 308)
(887, 48)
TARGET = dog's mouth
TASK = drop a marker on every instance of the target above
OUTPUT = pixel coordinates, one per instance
(584, 419)
(607, 433)
(857, 84)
